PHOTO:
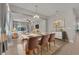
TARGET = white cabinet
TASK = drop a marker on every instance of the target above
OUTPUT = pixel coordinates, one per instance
(58, 35)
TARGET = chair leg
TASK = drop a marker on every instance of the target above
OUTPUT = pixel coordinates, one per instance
(49, 45)
(38, 48)
(35, 51)
(30, 52)
(26, 51)
(41, 50)
(54, 42)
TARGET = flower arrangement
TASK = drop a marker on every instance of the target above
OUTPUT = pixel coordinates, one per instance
(58, 24)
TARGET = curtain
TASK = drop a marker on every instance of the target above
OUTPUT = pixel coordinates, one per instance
(3, 18)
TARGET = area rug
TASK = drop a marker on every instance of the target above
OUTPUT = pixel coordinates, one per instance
(58, 45)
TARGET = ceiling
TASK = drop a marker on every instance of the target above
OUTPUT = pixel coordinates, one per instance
(47, 9)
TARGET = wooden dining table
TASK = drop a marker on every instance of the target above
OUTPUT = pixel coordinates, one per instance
(27, 36)
(24, 37)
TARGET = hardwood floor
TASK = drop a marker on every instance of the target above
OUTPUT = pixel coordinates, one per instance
(17, 49)
(70, 48)
(66, 49)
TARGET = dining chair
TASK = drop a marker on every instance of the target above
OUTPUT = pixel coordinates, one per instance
(44, 42)
(33, 45)
(14, 36)
(51, 39)
(25, 45)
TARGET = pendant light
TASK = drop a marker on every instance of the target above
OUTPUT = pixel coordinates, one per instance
(36, 16)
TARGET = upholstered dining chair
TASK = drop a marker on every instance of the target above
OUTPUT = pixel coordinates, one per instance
(44, 42)
(33, 45)
(51, 39)
(25, 44)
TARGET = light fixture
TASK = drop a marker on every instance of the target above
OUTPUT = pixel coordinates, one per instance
(36, 16)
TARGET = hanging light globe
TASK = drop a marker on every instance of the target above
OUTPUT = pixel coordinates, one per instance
(36, 16)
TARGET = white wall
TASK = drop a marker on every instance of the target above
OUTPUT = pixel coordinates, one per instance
(53, 18)
(70, 22)
(50, 24)
(42, 24)
(27, 15)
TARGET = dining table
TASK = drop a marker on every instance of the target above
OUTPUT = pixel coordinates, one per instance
(26, 37)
